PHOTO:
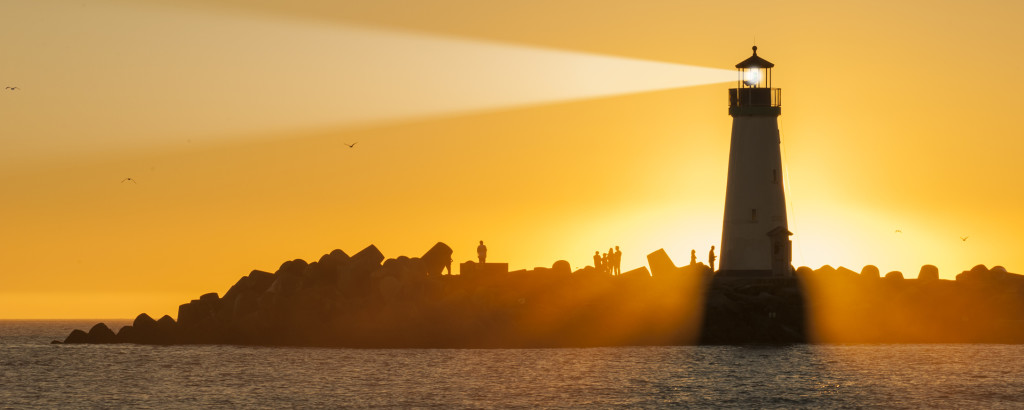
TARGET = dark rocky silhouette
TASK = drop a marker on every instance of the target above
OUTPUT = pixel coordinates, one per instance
(367, 300)
(981, 306)
(77, 336)
(754, 311)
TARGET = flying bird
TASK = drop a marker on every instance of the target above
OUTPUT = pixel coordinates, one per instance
(963, 238)
(352, 145)
(899, 231)
(128, 179)
(12, 88)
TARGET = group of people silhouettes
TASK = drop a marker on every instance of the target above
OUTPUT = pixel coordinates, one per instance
(610, 263)
(711, 257)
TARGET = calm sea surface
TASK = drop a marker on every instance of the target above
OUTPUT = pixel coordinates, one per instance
(34, 373)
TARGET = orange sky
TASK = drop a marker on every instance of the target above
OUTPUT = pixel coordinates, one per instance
(229, 115)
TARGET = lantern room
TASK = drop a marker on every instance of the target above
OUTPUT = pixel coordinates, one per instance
(754, 94)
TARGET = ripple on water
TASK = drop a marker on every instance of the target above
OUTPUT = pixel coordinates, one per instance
(35, 373)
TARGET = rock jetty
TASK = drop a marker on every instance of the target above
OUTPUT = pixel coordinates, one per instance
(367, 300)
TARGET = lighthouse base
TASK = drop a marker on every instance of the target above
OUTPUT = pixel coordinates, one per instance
(759, 273)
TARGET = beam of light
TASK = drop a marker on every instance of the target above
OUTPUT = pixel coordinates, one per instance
(231, 75)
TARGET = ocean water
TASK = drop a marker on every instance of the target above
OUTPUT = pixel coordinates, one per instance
(34, 373)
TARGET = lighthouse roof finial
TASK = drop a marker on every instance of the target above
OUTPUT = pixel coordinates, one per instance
(755, 61)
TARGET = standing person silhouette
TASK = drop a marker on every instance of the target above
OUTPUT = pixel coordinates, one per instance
(597, 261)
(618, 261)
(693, 256)
(611, 261)
(481, 252)
(711, 258)
(606, 264)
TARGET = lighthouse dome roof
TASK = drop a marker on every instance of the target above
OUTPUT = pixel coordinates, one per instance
(755, 61)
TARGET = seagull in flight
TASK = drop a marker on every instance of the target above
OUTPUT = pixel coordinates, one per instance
(352, 145)
(963, 238)
(899, 231)
(128, 179)
(12, 88)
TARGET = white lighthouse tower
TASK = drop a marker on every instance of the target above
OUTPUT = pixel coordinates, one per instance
(755, 234)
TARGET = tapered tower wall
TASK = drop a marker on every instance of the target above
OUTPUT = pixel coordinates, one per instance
(755, 201)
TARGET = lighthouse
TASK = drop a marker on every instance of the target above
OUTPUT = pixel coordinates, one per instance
(755, 232)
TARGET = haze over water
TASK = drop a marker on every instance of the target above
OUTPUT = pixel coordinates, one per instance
(36, 374)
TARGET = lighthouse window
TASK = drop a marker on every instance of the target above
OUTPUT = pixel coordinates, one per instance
(753, 214)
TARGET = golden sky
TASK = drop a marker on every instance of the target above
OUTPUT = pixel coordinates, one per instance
(232, 117)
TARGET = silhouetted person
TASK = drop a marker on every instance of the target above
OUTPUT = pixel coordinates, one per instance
(606, 263)
(693, 256)
(711, 258)
(618, 261)
(611, 261)
(481, 252)
(597, 261)
(449, 265)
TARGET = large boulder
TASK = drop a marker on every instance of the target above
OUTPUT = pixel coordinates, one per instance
(870, 271)
(166, 330)
(928, 273)
(126, 335)
(392, 267)
(243, 283)
(209, 297)
(334, 259)
(100, 333)
(339, 255)
(661, 263)
(360, 267)
(561, 268)
(369, 255)
(77, 336)
(437, 258)
(261, 280)
(894, 275)
(288, 278)
(144, 324)
(292, 266)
